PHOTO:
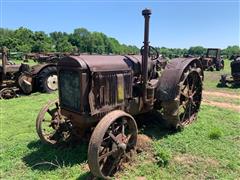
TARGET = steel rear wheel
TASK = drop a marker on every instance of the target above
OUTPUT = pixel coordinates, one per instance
(52, 128)
(111, 143)
(183, 110)
(190, 97)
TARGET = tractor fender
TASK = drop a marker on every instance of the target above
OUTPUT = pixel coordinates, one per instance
(169, 81)
(35, 71)
(39, 67)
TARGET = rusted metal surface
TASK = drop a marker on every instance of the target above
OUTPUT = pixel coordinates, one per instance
(51, 126)
(169, 81)
(98, 94)
(212, 60)
(146, 13)
(25, 79)
(7, 93)
(115, 136)
(39, 67)
(183, 109)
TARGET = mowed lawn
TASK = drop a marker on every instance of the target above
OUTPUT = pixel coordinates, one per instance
(207, 149)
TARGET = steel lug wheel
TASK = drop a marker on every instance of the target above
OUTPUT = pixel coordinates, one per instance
(7, 93)
(51, 126)
(184, 108)
(111, 143)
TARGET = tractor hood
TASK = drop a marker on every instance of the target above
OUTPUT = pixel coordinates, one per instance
(103, 62)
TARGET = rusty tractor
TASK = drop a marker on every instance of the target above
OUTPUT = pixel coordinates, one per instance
(99, 95)
(234, 79)
(212, 60)
(22, 78)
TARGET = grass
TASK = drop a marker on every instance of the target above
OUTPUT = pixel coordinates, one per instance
(207, 149)
(30, 62)
(215, 133)
(211, 79)
(192, 153)
(224, 100)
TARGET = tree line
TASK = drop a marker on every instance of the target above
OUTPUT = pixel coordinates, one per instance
(83, 41)
(80, 41)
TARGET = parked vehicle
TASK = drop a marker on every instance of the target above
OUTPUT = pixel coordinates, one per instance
(101, 94)
(234, 79)
(212, 60)
(22, 78)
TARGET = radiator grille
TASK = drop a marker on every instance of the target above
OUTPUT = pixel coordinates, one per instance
(69, 89)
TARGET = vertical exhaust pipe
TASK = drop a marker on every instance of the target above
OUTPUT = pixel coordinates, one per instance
(146, 13)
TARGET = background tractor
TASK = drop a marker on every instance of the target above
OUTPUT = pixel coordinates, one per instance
(234, 79)
(212, 60)
(25, 79)
(100, 95)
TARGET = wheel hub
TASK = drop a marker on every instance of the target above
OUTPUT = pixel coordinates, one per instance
(52, 82)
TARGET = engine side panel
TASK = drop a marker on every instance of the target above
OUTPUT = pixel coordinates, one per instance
(109, 90)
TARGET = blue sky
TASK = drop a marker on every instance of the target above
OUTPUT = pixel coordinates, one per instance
(173, 24)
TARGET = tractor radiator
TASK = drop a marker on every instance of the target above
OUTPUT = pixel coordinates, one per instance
(69, 90)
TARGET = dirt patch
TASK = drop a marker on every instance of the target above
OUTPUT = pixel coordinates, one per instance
(222, 105)
(190, 160)
(144, 143)
(141, 178)
(220, 94)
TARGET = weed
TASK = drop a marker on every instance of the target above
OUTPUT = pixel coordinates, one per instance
(163, 157)
(215, 133)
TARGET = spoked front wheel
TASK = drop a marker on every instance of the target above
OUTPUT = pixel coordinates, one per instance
(51, 126)
(112, 143)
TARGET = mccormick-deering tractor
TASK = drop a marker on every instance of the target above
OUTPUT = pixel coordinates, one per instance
(100, 95)
(22, 78)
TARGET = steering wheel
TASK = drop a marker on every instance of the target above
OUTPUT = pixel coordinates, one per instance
(153, 53)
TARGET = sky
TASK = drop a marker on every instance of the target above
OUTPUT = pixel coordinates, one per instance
(173, 23)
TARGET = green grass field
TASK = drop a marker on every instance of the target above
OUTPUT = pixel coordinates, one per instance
(212, 78)
(207, 149)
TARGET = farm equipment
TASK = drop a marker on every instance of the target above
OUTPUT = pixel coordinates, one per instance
(234, 79)
(212, 60)
(99, 95)
(25, 79)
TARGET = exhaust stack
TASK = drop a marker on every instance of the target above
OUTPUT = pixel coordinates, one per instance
(146, 13)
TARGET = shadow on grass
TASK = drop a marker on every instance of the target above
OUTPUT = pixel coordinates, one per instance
(153, 125)
(46, 158)
(230, 86)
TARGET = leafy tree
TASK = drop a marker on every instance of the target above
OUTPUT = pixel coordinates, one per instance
(61, 42)
(197, 51)
(81, 38)
(42, 43)
(231, 51)
(83, 41)
(97, 43)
